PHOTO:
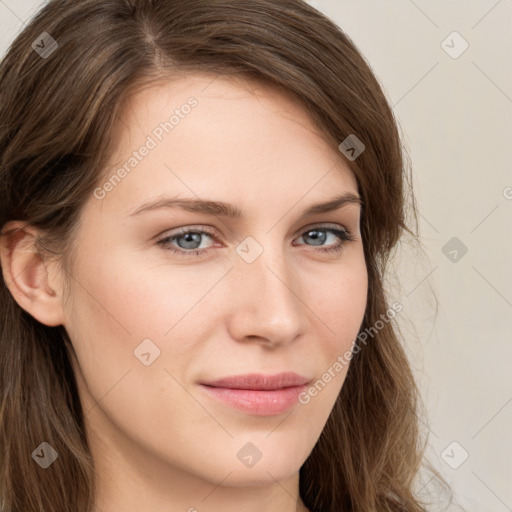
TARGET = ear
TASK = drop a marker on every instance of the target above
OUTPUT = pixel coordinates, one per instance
(26, 274)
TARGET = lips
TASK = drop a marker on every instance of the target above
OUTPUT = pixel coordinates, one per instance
(257, 394)
(258, 381)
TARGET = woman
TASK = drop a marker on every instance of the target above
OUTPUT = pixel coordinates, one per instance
(199, 199)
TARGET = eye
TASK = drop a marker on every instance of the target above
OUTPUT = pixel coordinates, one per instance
(189, 240)
(318, 235)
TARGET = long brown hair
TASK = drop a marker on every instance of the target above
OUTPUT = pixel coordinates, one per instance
(59, 111)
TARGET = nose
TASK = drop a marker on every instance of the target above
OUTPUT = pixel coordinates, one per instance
(268, 305)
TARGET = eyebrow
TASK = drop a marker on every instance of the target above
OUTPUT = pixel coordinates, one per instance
(222, 209)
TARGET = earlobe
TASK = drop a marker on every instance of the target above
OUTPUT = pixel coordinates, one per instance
(26, 276)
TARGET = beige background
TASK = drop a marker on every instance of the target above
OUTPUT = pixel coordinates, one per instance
(455, 113)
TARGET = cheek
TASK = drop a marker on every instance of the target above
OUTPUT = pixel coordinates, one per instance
(339, 303)
(128, 297)
(111, 312)
(119, 301)
(338, 297)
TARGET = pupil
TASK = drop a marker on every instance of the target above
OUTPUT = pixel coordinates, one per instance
(318, 236)
(190, 238)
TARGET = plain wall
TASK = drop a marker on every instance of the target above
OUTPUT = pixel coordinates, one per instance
(455, 113)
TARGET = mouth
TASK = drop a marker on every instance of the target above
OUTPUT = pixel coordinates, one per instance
(258, 394)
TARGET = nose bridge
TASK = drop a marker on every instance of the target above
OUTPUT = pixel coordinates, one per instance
(267, 302)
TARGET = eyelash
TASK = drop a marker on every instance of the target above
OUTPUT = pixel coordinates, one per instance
(343, 234)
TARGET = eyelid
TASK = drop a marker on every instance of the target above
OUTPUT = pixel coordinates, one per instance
(212, 232)
(323, 225)
(185, 229)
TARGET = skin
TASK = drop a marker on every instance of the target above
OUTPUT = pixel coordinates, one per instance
(158, 441)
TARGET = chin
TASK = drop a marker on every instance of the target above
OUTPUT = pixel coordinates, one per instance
(246, 478)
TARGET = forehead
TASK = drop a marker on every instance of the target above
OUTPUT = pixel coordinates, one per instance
(246, 105)
(211, 136)
(171, 92)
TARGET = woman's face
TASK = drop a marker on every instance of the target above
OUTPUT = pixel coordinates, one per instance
(265, 295)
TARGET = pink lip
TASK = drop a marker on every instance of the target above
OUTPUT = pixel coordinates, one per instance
(261, 395)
